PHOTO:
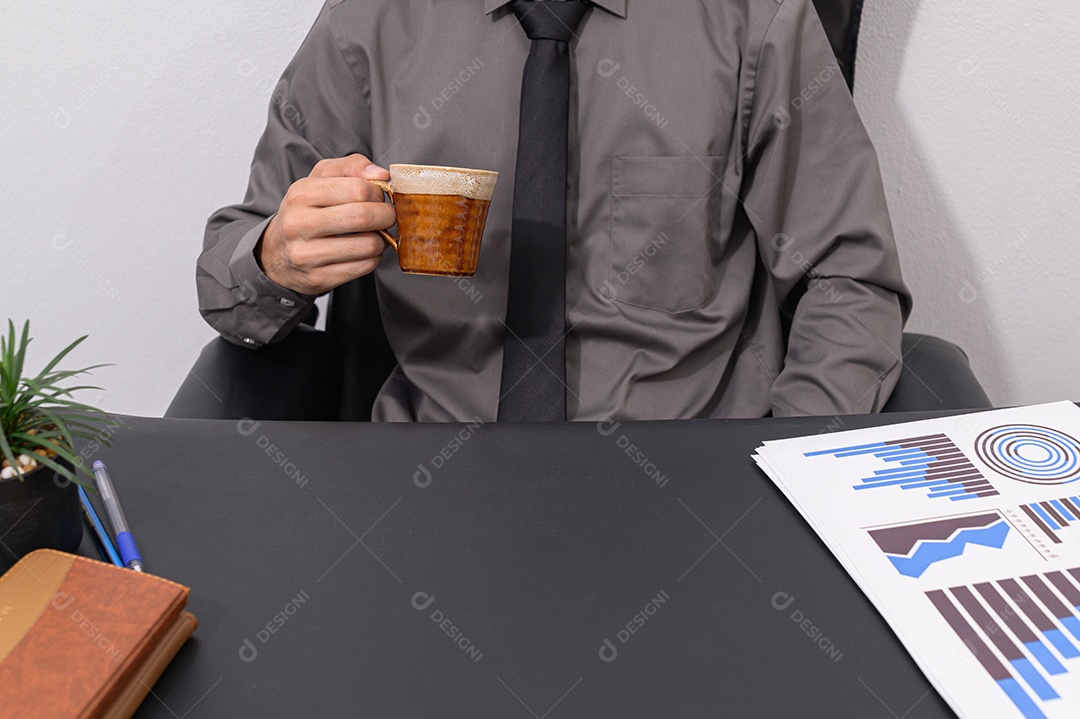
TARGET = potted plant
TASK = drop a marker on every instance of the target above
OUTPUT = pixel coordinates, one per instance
(39, 420)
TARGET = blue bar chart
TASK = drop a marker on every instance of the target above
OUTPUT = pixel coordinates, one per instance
(1053, 516)
(1024, 632)
(931, 463)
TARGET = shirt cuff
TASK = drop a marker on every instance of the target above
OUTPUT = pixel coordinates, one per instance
(274, 310)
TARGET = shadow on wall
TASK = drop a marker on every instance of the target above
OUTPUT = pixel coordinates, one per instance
(940, 271)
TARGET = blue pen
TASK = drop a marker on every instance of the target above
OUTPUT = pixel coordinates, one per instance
(129, 553)
(99, 528)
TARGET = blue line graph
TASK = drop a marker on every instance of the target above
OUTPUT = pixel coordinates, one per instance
(928, 552)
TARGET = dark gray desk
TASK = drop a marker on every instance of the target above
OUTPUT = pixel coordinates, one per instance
(309, 547)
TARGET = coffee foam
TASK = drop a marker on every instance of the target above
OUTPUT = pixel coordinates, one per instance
(431, 180)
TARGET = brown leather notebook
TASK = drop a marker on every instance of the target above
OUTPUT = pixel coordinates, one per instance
(80, 638)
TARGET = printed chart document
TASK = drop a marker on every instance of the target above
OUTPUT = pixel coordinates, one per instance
(964, 532)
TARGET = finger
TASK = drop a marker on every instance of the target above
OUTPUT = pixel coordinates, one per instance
(350, 219)
(347, 249)
(352, 166)
(339, 273)
(331, 191)
(307, 256)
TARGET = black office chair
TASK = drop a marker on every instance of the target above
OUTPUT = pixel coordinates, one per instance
(336, 374)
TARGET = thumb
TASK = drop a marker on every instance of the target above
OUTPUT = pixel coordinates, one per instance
(374, 172)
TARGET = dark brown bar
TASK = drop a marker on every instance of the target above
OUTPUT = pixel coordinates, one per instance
(917, 441)
(937, 474)
(1005, 612)
(936, 446)
(1027, 605)
(955, 463)
(947, 454)
(1049, 599)
(961, 462)
(1054, 514)
(1066, 587)
(983, 619)
(969, 636)
(1041, 524)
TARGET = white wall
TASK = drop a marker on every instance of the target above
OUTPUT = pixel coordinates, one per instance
(126, 125)
(975, 111)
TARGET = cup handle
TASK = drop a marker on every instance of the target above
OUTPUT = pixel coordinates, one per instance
(388, 188)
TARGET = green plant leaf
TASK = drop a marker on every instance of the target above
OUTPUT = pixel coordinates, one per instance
(29, 442)
(5, 449)
(45, 406)
(19, 358)
(61, 425)
(62, 375)
(66, 472)
(63, 353)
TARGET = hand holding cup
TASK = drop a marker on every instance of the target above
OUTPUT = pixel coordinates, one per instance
(326, 230)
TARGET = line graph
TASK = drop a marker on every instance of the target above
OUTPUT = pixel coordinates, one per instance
(913, 548)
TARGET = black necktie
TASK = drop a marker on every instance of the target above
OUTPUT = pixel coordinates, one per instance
(534, 353)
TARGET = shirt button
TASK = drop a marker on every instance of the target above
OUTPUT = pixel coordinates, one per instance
(287, 302)
(248, 341)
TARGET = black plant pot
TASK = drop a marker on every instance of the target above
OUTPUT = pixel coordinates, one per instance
(40, 512)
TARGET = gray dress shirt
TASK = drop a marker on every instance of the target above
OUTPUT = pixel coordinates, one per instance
(729, 246)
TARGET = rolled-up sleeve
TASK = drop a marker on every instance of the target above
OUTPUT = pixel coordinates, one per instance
(318, 109)
(812, 192)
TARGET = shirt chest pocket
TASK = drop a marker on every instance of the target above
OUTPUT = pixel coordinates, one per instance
(663, 220)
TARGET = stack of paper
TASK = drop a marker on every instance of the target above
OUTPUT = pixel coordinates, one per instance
(963, 532)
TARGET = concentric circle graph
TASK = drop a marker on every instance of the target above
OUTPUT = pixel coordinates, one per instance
(1030, 453)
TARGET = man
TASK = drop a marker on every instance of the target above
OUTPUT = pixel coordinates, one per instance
(728, 248)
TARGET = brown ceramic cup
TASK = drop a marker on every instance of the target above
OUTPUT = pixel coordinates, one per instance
(440, 217)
